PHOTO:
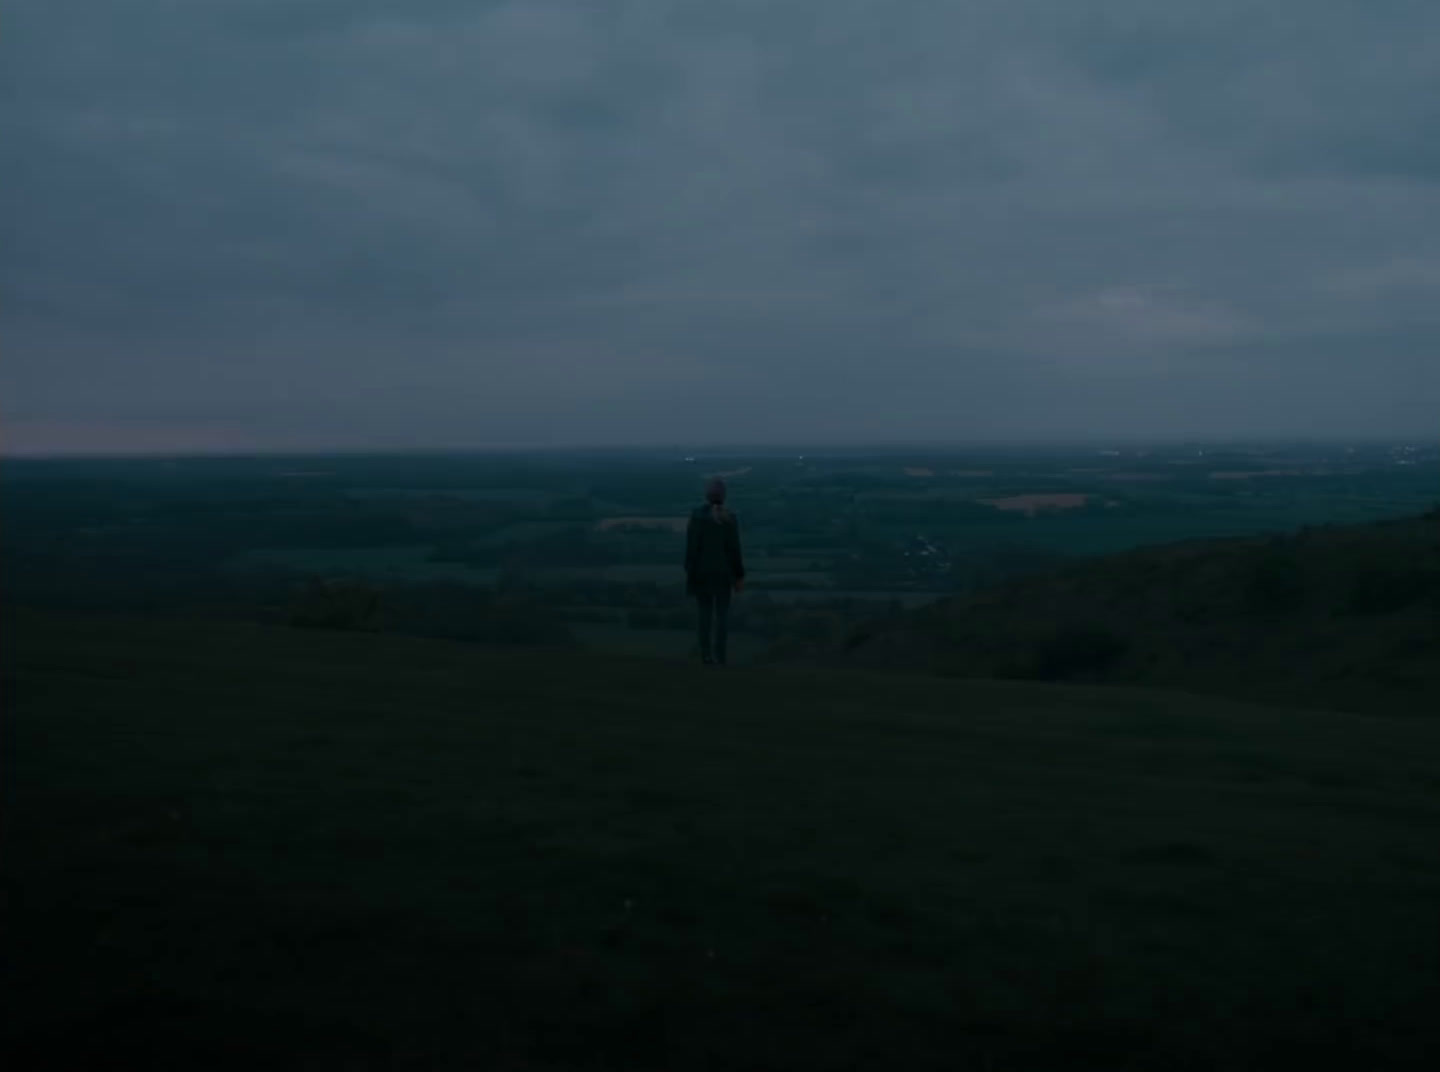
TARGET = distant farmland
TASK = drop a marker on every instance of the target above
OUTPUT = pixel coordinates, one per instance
(672, 524)
(1031, 504)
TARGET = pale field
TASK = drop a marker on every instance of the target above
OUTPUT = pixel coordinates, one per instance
(1247, 474)
(1031, 503)
(405, 563)
(673, 524)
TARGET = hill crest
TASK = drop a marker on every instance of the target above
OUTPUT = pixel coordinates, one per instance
(1342, 616)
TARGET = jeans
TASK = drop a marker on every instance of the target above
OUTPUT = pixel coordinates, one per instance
(714, 604)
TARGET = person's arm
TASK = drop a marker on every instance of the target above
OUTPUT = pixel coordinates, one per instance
(692, 546)
(737, 559)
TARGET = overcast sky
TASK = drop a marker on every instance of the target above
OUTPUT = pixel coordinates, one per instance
(428, 223)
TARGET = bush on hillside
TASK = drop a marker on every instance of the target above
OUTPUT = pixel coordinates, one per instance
(336, 603)
(1385, 591)
(1276, 584)
(1073, 651)
(462, 612)
(589, 615)
(645, 618)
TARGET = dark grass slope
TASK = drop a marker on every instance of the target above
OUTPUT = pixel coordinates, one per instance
(1338, 616)
(233, 847)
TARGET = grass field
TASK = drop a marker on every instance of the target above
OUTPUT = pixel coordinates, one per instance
(238, 847)
(906, 599)
(408, 563)
(664, 524)
(501, 494)
(659, 643)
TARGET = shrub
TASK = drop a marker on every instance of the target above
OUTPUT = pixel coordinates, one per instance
(517, 621)
(1074, 651)
(589, 615)
(642, 618)
(1276, 584)
(1385, 591)
(461, 612)
(336, 604)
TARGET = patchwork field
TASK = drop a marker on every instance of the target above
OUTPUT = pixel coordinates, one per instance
(668, 524)
(410, 563)
(1031, 504)
(1252, 474)
(605, 530)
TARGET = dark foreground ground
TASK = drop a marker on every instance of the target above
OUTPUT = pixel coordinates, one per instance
(233, 847)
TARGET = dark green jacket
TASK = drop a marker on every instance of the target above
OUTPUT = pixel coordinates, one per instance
(712, 550)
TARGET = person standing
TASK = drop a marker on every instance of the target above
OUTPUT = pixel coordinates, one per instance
(714, 568)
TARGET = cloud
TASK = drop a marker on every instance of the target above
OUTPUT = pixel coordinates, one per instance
(1406, 275)
(1120, 320)
(372, 222)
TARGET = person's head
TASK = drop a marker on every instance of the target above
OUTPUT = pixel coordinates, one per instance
(715, 496)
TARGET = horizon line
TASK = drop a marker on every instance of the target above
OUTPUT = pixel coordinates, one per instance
(713, 447)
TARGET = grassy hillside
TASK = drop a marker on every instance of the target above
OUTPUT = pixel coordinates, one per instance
(242, 847)
(1341, 616)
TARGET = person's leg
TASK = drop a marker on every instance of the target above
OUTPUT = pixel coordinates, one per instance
(705, 601)
(722, 623)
